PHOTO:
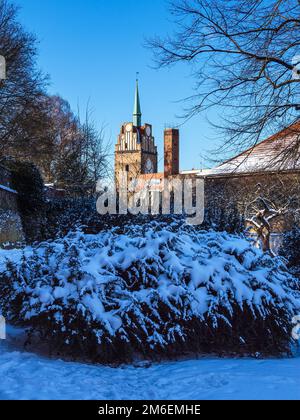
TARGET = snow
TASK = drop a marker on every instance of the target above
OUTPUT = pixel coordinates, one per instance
(27, 376)
(13, 255)
(222, 262)
(113, 278)
(274, 153)
(211, 259)
(3, 187)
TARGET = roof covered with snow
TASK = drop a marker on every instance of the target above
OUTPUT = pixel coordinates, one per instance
(278, 152)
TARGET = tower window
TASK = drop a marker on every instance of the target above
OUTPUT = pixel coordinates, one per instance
(127, 168)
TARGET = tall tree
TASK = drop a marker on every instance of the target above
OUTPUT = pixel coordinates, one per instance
(78, 155)
(245, 58)
(95, 152)
(23, 86)
(63, 163)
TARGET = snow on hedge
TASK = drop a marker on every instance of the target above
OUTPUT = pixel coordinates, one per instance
(152, 290)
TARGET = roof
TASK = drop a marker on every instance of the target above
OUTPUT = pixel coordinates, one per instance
(278, 152)
(137, 112)
(190, 172)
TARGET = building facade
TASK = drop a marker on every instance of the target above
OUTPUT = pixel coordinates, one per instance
(135, 151)
(267, 170)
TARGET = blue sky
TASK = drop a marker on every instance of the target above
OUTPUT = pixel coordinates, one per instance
(92, 50)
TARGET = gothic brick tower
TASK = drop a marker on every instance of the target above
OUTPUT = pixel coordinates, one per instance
(135, 151)
(171, 142)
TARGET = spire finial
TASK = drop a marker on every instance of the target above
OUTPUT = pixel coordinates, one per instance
(137, 113)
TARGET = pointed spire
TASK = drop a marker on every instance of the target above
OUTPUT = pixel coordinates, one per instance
(137, 113)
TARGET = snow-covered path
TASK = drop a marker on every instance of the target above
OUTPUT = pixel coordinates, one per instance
(28, 376)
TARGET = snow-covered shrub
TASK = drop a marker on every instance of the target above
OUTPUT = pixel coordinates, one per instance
(224, 218)
(152, 291)
(290, 249)
(69, 214)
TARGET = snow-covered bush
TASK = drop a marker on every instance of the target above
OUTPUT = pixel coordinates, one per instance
(224, 218)
(291, 250)
(64, 215)
(152, 291)
(69, 214)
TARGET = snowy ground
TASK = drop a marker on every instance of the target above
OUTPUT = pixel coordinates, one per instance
(31, 376)
(28, 376)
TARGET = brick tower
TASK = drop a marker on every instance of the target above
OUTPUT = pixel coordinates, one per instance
(135, 151)
(171, 143)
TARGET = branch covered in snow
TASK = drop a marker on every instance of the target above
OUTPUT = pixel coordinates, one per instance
(150, 290)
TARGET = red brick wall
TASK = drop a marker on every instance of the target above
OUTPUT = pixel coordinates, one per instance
(171, 143)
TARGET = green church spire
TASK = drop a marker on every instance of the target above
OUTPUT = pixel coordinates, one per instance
(137, 113)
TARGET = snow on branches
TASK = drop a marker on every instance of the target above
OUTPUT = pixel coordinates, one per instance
(154, 290)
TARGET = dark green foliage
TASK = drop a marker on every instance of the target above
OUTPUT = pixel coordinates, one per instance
(66, 215)
(224, 219)
(28, 182)
(141, 296)
(291, 250)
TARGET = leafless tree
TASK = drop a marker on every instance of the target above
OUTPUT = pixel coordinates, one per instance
(40, 128)
(245, 56)
(23, 87)
(80, 152)
(95, 152)
(265, 213)
(272, 208)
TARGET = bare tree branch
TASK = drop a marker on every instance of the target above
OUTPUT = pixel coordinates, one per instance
(244, 60)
